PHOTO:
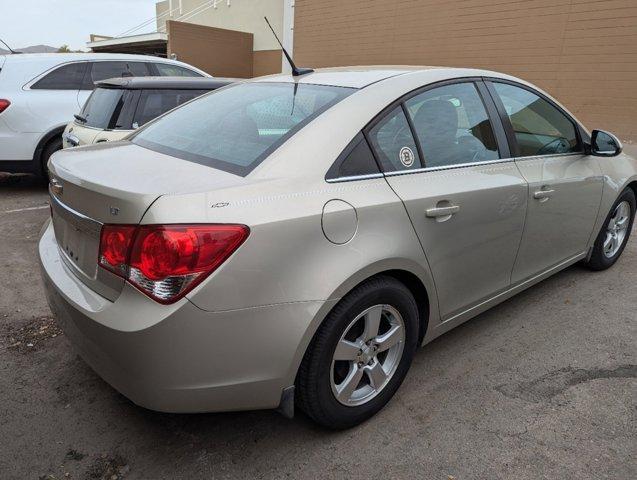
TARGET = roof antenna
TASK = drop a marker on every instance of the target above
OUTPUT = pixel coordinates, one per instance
(12, 50)
(296, 71)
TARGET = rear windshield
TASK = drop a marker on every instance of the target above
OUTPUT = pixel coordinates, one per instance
(237, 127)
(103, 108)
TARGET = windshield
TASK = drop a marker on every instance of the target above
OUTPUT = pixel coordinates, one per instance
(102, 109)
(235, 128)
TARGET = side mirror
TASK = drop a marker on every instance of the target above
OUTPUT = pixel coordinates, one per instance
(604, 144)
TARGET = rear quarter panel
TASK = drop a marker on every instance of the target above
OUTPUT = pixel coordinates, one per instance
(287, 257)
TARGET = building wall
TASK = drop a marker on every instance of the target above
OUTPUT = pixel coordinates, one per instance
(583, 52)
(266, 62)
(241, 15)
(220, 52)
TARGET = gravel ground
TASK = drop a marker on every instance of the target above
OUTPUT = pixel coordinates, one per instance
(542, 386)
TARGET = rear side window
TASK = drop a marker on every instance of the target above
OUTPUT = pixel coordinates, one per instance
(104, 107)
(540, 128)
(66, 77)
(168, 70)
(103, 70)
(356, 160)
(153, 103)
(452, 126)
(394, 143)
(235, 128)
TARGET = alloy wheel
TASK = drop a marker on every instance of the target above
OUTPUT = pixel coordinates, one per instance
(367, 355)
(617, 229)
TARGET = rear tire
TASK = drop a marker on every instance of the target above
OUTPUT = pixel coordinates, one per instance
(49, 149)
(375, 328)
(614, 235)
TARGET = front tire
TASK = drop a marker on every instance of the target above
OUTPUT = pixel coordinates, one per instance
(360, 355)
(612, 238)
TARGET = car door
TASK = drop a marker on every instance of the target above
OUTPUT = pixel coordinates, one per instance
(444, 153)
(565, 184)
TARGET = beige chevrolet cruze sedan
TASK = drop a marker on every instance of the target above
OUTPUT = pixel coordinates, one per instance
(292, 240)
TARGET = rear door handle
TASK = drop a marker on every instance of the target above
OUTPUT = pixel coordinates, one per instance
(436, 212)
(543, 194)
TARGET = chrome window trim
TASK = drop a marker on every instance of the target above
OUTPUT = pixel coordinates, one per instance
(353, 178)
(448, 167)
(548, 155)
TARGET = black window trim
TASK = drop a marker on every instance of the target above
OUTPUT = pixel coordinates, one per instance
(582, 136)
(490, 108)
(494, 118)
(332, 174)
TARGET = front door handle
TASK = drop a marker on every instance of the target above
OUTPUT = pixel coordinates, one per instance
(543, 194)
(437, 212)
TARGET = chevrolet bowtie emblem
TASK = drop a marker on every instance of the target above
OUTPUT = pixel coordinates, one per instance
(56, 187)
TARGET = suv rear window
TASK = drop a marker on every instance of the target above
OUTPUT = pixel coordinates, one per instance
(153, 103)
(235, 128)
(103, 108)
(102, 70)
(66, 77)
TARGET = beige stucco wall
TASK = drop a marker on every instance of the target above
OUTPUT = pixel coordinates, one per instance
(240, 15)
(584, 52)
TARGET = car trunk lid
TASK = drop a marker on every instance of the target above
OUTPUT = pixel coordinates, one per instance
(114, 183)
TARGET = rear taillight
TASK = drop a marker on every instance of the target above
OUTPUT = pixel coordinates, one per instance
(4, 104)
(167, 261)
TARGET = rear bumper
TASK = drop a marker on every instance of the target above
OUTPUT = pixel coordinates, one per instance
(178, 358)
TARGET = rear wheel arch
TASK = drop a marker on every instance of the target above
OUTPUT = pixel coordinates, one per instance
(414, 283)
(633, 186)
(45, 141)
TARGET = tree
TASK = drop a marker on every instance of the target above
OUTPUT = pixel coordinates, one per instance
(64, 49)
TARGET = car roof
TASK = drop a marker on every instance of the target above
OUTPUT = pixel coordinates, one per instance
(160, 83)
(70, 57)
(363, 76)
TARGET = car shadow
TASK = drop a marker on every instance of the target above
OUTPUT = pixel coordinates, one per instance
(22, 182)
(215, 427)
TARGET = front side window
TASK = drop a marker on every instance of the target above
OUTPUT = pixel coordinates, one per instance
(103, 108)
(540, 128)
(394, 144)
(66, 77)
(153, 103)
(103, 70)
(452, 126)
(235, 128)
(169, 70)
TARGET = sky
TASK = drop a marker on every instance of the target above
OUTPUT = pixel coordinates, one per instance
(59, 22)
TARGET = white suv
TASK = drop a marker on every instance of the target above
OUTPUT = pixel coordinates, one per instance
(40, 93)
